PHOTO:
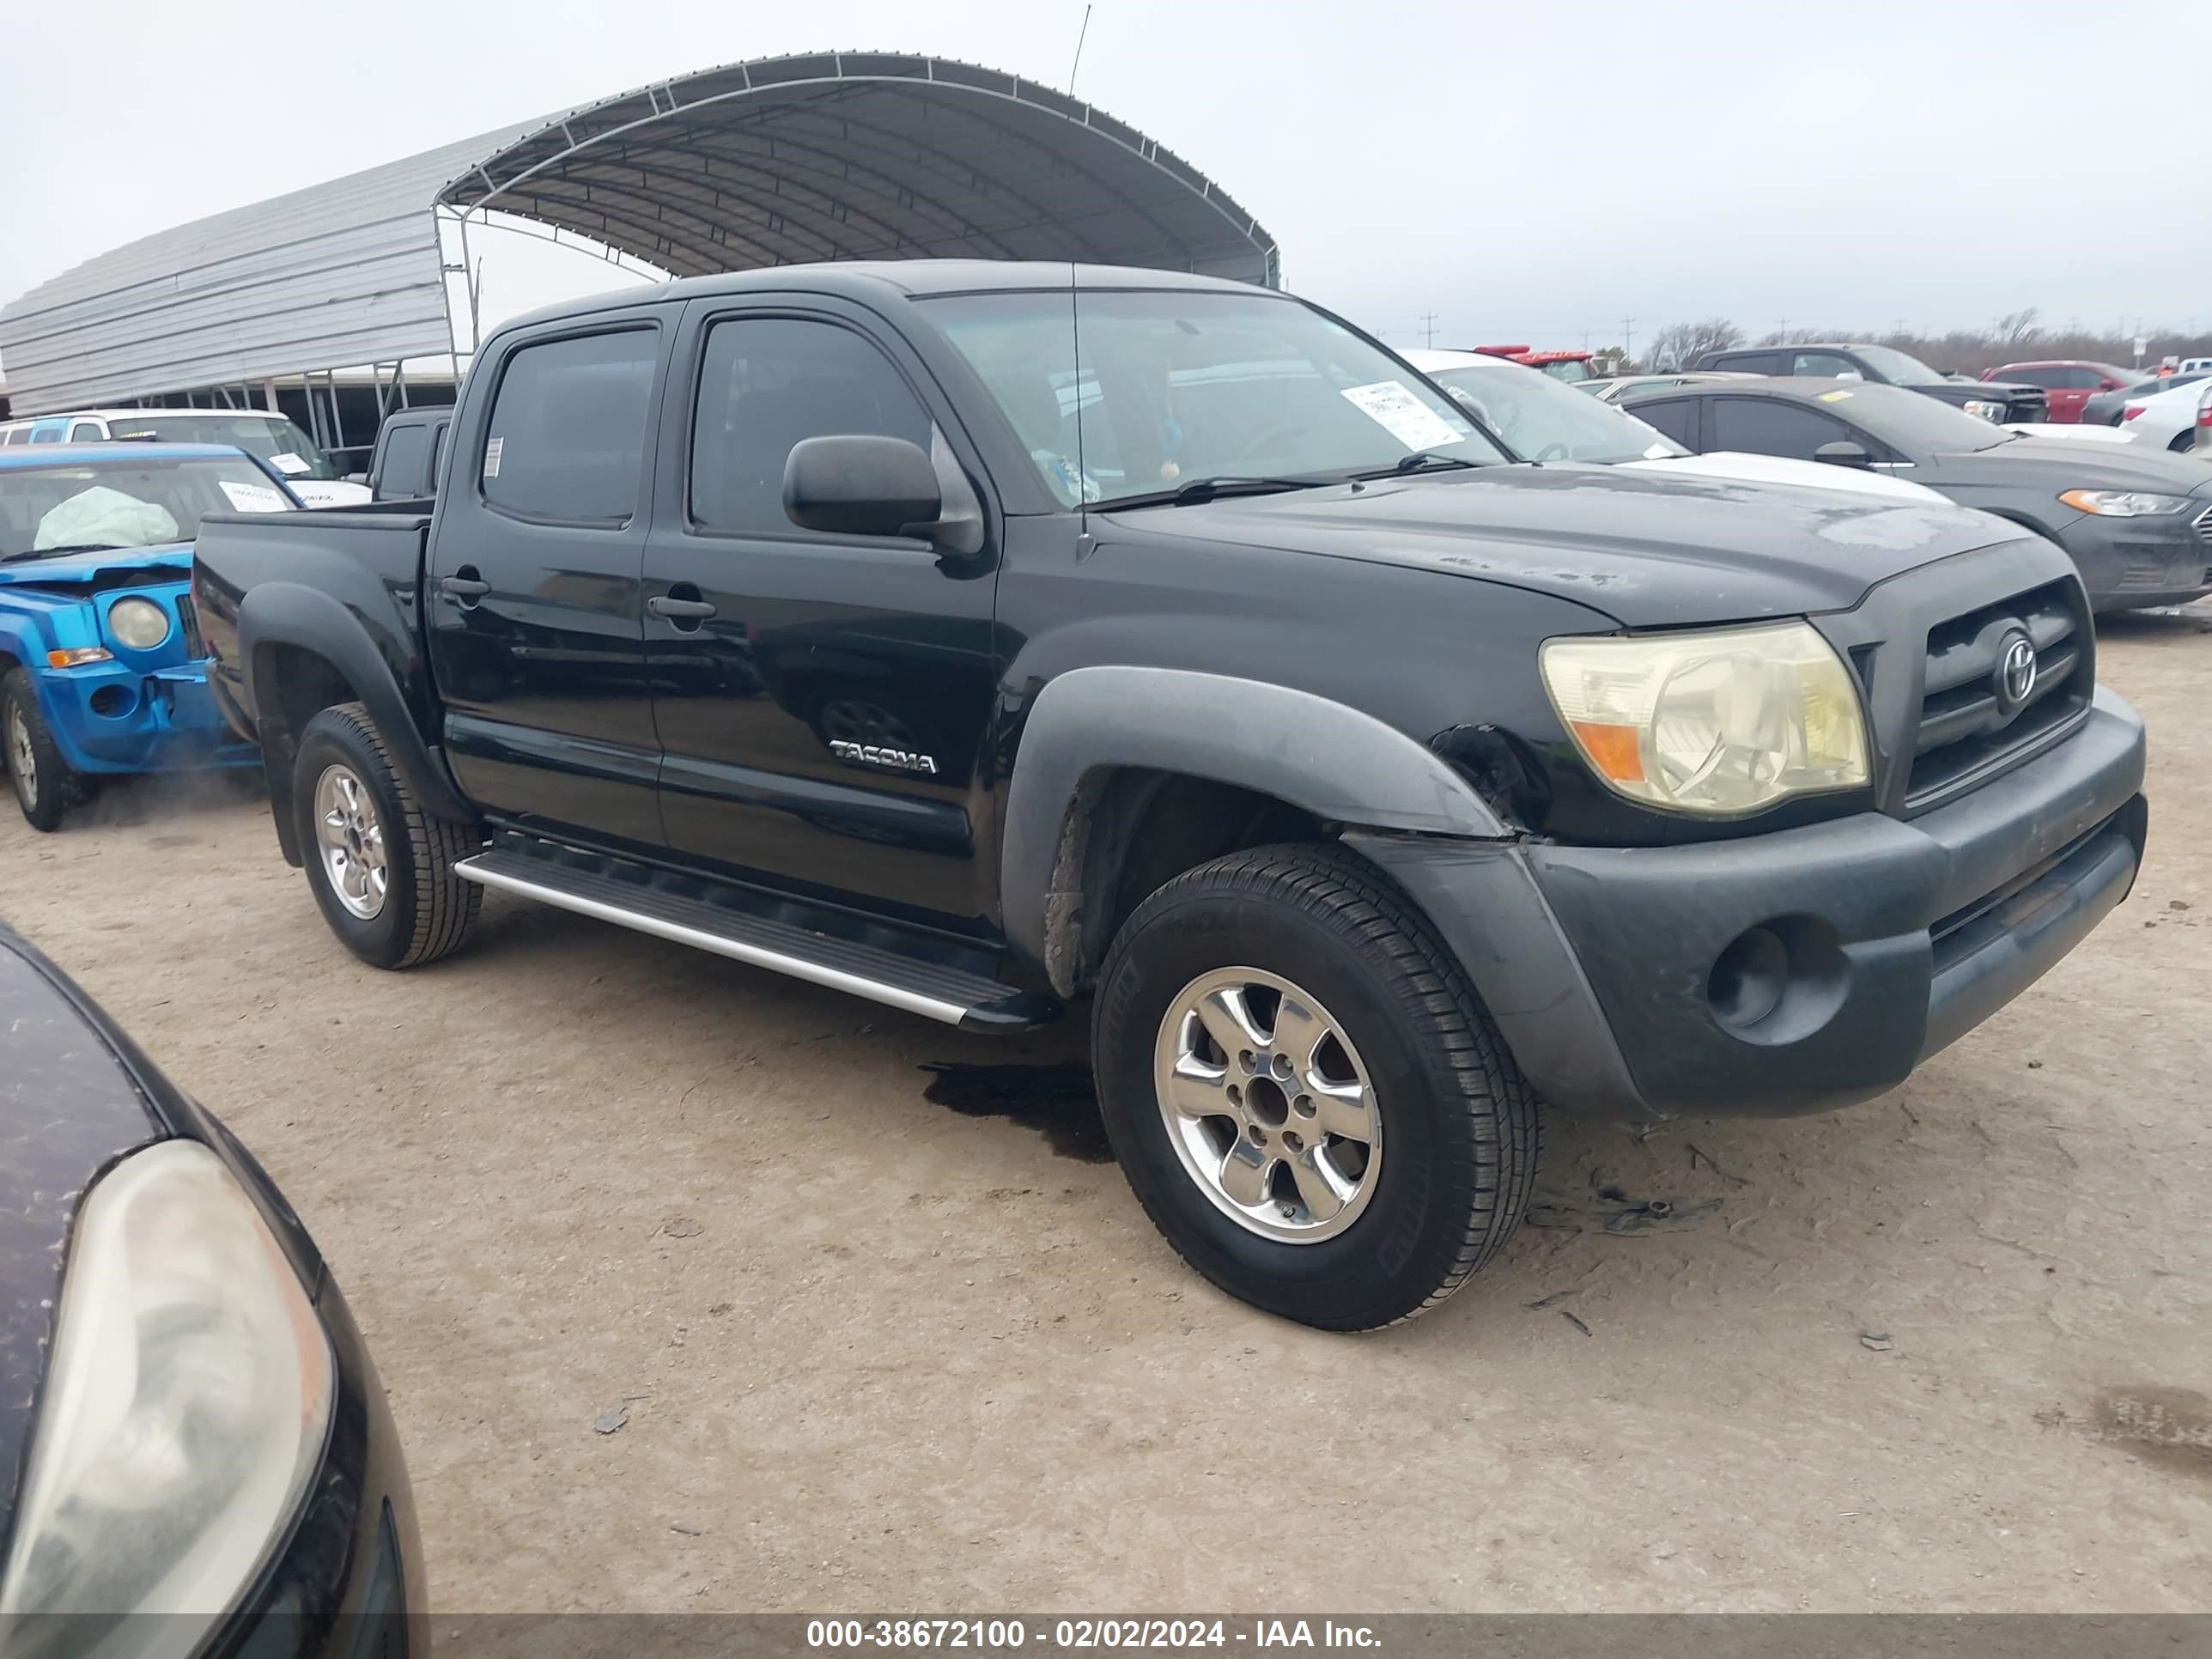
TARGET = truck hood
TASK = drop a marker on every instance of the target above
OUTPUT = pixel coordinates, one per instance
(122, 569)
(2069, 464)
(1650, 549)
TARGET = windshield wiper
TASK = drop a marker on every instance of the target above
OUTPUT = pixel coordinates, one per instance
(1207, 489)
(56, 552)
(1419, 461)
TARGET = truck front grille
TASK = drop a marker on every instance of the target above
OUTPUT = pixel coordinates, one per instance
(188, 623)
(1971, 724)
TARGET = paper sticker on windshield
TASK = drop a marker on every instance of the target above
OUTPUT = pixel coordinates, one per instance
(1834, 397)
(1391, 406)
(491, 457)
(252, 497)
(289, 464)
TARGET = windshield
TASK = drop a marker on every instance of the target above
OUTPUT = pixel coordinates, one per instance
(1570, 369)
(1170, 387)
(1898, 367)
(272, 437)
(1914, 423)
(1542, 419)
(100, 505)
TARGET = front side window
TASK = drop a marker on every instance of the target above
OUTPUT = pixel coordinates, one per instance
(1124, 396)
(274, 438)
(765, 385)
(85, 432)
(1825, 365)
(1541, 419)
(106, 505)
(1768, 426)
(566, 441)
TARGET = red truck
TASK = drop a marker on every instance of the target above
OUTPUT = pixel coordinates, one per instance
(2070, 382)
(1559, 365)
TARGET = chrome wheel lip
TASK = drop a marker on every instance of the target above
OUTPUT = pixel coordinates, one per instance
(349, 840)
(23, 760)
(1203, 1145)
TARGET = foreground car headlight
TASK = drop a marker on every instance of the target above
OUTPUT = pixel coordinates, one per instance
(1987, 411)
(139, 623)
(1719, 723)
(2124, 503)
(184, 1414)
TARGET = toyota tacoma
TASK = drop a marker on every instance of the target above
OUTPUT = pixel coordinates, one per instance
(990, 639)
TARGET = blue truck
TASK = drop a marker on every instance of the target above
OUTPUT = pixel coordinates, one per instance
(101, 666)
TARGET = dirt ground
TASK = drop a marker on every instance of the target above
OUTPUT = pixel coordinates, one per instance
(1949, 1351)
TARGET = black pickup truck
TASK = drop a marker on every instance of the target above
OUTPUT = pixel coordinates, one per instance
(982, 638)
(1880, 365)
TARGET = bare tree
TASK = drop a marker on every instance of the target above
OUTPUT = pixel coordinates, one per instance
(1677, 345)
(2017, 328)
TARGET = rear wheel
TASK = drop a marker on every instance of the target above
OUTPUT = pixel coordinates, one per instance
(381, 867)
(1304, 1091)
(46, 786)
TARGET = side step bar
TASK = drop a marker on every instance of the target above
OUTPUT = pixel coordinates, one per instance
(915, 972)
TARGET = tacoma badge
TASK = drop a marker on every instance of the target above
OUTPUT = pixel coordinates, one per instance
(899, 760)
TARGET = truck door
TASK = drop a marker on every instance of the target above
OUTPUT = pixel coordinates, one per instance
(822, 700)
(534, 587)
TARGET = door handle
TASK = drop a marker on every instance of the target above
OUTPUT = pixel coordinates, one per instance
(664, 605)
(464, 588)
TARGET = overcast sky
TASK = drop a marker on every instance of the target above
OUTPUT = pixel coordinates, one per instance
(1527, 172)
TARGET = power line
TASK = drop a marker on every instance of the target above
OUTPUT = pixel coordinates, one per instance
(1429, 329)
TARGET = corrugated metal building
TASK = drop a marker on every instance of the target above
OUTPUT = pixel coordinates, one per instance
(778, 161)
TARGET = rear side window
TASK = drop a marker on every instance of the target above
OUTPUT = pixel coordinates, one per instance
(1825, 365)
(567, 436)
(1676, 417)
(767, 383)
(2045, 378)
(1768, 426)
(86, 432)
(406, 468)
(1753, 362)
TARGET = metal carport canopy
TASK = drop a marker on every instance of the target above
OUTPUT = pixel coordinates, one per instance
(774, 161)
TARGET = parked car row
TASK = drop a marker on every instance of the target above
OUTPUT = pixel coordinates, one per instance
(274, 441)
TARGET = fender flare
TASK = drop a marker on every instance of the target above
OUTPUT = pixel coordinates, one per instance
(1326, 758)
(289, 613)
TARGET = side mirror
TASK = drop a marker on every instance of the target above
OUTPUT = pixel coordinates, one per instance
(859, 485)
(1844, 453)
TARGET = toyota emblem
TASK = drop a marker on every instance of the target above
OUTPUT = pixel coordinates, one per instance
(2015, 677)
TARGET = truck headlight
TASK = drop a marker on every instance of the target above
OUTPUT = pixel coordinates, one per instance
(1719, 723)
(1987, 411)
(2125, 503)
(184, 1414)
(139, 623)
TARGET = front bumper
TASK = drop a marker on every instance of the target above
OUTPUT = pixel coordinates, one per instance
(1792, 972)
(348, 1583)
(111, 717)
(2127, 563)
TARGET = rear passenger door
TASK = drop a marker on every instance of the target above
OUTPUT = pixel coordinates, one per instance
(533, 594)
(822, 699)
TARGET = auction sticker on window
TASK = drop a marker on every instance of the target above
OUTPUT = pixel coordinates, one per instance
(288, 463)
(252, 497)
(491, 457)
(1391, 406)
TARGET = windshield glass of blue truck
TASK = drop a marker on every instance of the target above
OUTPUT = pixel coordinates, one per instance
(100, 506)
(1133, 395)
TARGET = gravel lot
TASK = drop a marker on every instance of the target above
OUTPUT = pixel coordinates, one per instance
(883, 1351)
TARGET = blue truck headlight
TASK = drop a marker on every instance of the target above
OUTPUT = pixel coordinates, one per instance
(139, 623)
(185, 1411)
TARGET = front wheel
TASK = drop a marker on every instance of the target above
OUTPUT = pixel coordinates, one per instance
(380, 867)
(46, 786)
(1304, 1091)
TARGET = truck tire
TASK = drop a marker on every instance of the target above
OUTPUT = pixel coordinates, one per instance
(381, 867)
(46, 786)
(1304, 1091)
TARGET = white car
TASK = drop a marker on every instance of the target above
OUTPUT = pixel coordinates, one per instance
(2179, 419)
(275, 439)
(1542, 419)
(2080, 430)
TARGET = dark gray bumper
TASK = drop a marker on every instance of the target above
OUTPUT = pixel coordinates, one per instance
(2127, 563)
(1793, 972)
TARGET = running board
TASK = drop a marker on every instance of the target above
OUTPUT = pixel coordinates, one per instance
(916, 972)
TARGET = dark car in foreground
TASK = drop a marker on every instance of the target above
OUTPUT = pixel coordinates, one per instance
(2138, 525)
(987, 639)
(1882, 365)
(195, 1458)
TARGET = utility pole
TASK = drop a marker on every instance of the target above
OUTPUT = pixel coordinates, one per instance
(1429, 329)
(1628, 339)
(1082, 34)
